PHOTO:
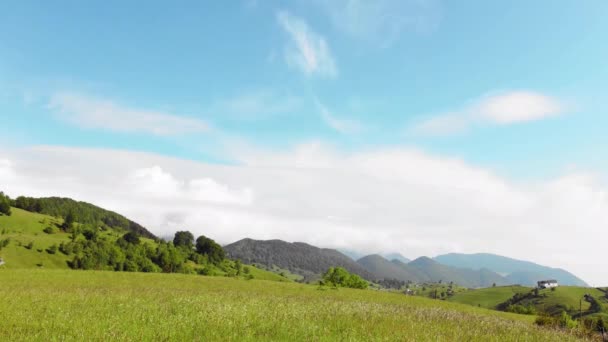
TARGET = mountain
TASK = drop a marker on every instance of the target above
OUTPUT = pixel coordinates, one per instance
(297, 257)
(425, 269)
(462, 276)
(384, 269)
(515, 271)
(396, 256)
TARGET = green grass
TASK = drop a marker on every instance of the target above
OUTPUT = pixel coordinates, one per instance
(42, 305)
(489, 297)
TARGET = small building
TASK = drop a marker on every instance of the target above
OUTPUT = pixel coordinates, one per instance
(546, 284)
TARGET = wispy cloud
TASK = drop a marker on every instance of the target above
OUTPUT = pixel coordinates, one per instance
(307, 51)
(341, 125)
(500, 109)
(97, 113)
(382, 21)
(258, 104)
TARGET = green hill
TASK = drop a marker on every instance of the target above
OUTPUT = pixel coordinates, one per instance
(565, 298)
(84, 213)
(72, 306)
(488, 298)
(29, 246)
(570, 299)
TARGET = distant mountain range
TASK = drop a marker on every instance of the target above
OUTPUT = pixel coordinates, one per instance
(475, 270)
(425, 269)
(515, 271)
(299, 258)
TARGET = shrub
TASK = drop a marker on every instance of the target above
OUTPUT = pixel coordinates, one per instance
(49, 230)
(339, 277)
(52, 249)
(29, 245)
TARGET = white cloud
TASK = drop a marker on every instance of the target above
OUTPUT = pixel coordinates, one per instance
(517, 106)
(399, 199)
(92, 112)
(344, 126)
(382, 21)
(500, 109)
(308, 51)
(6, 170)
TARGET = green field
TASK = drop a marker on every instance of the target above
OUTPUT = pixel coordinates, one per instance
(89, 305)
(488, 298)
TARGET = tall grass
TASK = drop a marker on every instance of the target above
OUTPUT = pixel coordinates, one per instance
(43, 305)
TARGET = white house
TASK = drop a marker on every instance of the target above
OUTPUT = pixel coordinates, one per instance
(546, 284)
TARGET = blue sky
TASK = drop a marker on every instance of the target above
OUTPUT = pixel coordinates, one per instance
(514, 89)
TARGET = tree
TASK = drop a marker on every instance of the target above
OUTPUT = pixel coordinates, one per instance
(5, 204)
(68, 222)
(238, 267)
(183, 239)
(339, 277)
(131, 238)
(208, 247)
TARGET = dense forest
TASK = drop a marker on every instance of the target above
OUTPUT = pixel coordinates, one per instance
(82, 212)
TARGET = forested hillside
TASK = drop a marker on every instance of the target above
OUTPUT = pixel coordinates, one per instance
(81, 212)
(300, 258)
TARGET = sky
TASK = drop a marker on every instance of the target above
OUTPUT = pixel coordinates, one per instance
(414, 126)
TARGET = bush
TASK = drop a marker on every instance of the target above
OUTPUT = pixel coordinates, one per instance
(49, 230)
(4, 243)
(521, 309)
(29, 245)
(52, 249)
(339, 277)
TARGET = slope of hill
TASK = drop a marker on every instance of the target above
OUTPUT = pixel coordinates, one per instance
(570, 299)
(516, 271)
(489, 297)
(23, 228)
(299, 258)
(108, 306)
(84, 213)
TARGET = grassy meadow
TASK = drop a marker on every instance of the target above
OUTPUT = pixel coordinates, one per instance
(67, 305)
(489, 297)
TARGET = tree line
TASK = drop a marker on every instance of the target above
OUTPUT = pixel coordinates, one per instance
(82, 212)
